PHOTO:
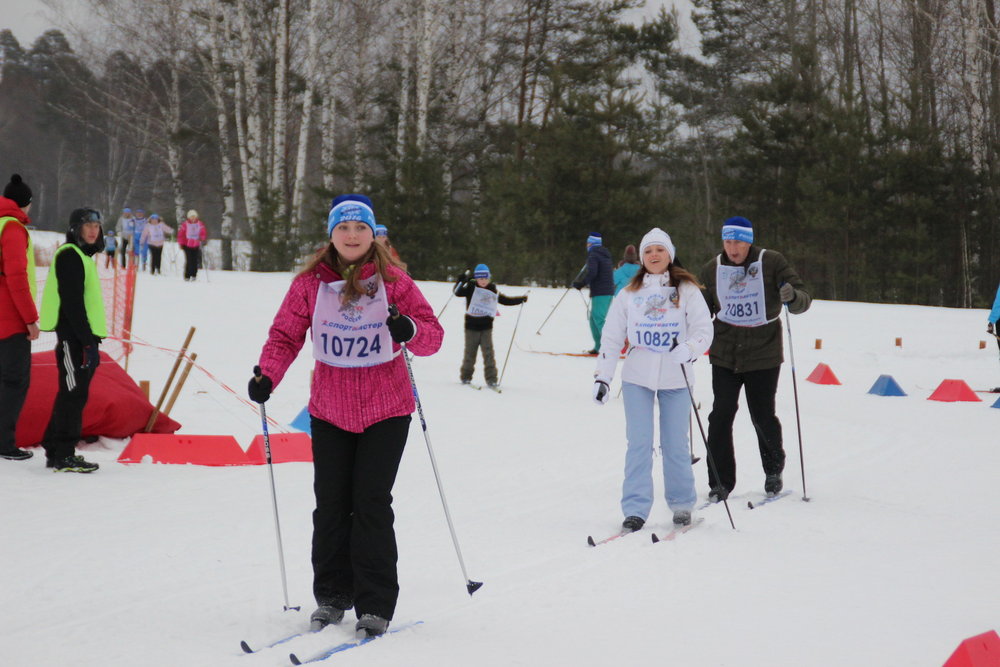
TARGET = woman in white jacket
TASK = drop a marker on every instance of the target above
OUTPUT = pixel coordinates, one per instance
(663, 315)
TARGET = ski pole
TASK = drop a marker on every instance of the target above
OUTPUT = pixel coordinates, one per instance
(470, 586)
(704, 438)
(520, 308)
(274, 495)
(795, 391)
(579, 273)
(441, 312)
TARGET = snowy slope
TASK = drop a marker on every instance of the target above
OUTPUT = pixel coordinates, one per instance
(893, 562)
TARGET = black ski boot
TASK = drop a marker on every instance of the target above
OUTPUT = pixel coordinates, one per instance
(329, 612)
(773, 484)
(632, 524)
(370, 625)
(682, 518)
(718, 494)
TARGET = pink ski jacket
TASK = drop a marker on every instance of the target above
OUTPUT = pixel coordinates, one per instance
(351, 398)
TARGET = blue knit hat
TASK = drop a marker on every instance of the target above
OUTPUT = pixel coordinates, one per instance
(381, 230)
(348, 208)
(481, 271)
(126, 210)
(593, 239)
(737, 228)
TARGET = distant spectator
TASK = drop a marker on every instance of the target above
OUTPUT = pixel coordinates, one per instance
(153, 237)
(110, 244)
(991, 323)
(382, 237)
(125, 229)
(190, 236)
(139, 251)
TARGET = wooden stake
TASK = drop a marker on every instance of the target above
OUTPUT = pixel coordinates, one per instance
(144, 385)
(180, 383)
(982, 345)
(899, 342)
(170, 379)
(819, 343)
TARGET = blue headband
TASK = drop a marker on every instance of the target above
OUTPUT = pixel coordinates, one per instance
(737, 228)
(481, 271)
(347, 208)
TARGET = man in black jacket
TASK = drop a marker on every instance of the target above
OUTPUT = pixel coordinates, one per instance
(481, 299)
(599, 276)
(746, 287)
(73, 307)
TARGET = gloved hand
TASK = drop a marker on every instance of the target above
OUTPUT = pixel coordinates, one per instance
(681, 354)
(577, 284)
(787, 293)
(91, 357)
(259, 387)
(601, 392)
(467, 275)
(524, 299)
(989, 328)
(401, 328)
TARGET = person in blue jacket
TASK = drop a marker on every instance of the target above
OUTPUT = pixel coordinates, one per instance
(599, 277)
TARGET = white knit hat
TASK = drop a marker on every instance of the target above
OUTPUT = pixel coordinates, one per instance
(657, 236)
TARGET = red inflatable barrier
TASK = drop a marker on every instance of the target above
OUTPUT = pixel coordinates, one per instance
(285, 448)
(201, 450)
(979, 651)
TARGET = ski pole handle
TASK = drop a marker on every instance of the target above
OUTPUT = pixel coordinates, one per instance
(257, 374)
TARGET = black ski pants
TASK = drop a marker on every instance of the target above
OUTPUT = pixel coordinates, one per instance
(66, 424)
(760, 388)
(155, 257)
(15, 376)
(192, 256)
(354, 544)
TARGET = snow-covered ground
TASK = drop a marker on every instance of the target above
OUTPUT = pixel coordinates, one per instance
(893, 562)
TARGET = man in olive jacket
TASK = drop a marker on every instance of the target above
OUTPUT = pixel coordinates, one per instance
(745, 287)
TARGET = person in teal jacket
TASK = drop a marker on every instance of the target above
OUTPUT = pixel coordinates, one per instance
(628, 267)
(991, 322)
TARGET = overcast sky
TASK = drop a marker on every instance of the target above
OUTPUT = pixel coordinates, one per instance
(26, 18)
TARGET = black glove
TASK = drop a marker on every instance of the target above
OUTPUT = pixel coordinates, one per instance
(260, 386)
(524, 299)
(601, 392)
(91, 357)
(467, 274)
(577, 284)
(401, 328)
(989, 328)
(787, 293)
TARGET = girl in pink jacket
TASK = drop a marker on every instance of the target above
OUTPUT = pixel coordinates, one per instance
(360, 403)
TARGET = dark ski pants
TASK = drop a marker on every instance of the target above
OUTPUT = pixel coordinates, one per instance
(192, 257)
(354, 544)
(474, 341)
(66, 424)
(123, 248)
(15, 376)
(155, 255)
(760, 388)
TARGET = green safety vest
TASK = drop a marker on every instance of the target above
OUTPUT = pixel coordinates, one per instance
(93, 300)
(31, 255)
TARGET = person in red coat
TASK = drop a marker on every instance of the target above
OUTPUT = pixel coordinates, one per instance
(18, 315)
(360, 404)
(191, 236)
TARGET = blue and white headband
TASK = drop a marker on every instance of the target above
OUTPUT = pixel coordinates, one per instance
(737, 228)
(481, 271)
(594, 239)
(348, 208)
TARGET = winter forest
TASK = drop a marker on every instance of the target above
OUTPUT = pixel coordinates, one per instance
(862, 137)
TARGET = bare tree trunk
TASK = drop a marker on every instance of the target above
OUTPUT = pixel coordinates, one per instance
(425, 51)
(305, 125)
(247, 99)
(329, 147)
(280, 128)
(173, 145)
(222, 123)
(406, 55)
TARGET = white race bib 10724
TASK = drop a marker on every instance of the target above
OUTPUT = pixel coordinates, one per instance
(352, 334)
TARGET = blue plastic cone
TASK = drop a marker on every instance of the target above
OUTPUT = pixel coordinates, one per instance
(996, 404)
(885, 385)
(303, 421)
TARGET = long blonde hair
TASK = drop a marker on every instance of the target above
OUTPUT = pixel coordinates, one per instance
(377, 255)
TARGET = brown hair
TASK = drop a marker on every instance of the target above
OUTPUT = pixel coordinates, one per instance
(676, 273)
(377, 255)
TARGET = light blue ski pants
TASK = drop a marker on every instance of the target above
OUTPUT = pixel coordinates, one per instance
(678, 478)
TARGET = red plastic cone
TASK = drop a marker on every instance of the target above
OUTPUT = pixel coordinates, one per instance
(823, 374)
(203, 450)
(953, 390)
(285, 448)
(979, 651)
